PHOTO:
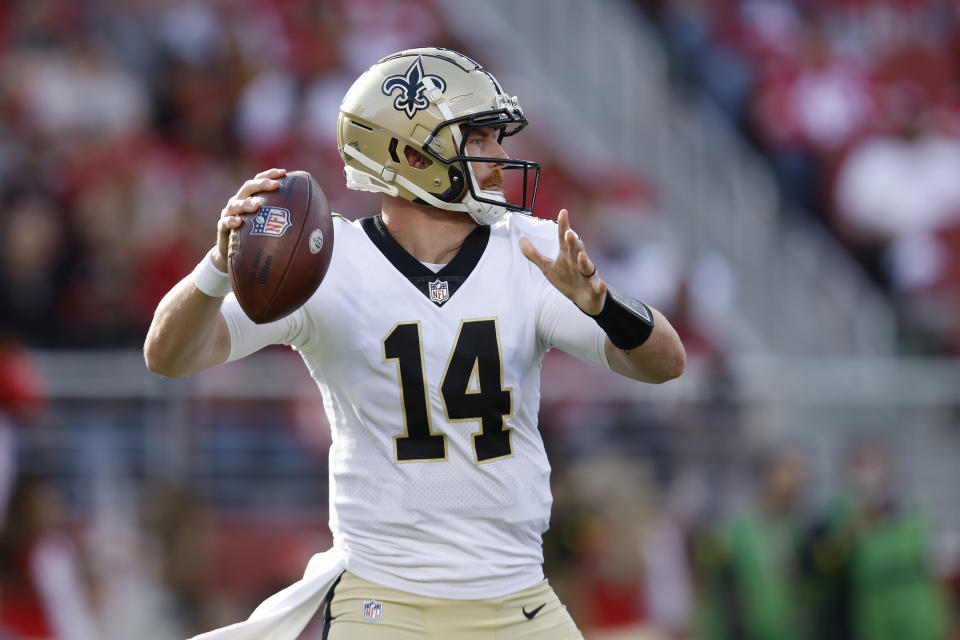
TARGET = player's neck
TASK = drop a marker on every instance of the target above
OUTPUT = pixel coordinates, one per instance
(428, 234)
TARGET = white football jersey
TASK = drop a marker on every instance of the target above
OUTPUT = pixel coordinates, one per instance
(439, 482)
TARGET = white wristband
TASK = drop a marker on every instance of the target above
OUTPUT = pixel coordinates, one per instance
(210, 280)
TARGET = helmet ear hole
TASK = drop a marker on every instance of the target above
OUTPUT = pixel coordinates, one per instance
(393, 150)
(415, 159)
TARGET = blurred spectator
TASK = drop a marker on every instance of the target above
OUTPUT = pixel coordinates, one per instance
(34, 260)
(45, 594)
(80, 90)
(749, 576)
(897, 187)
(180, 534)
(595, 558)
(373, 29)
(667, 561)
(868, 560)
(806, 107)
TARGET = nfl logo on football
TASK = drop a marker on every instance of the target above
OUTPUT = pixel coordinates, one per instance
(372, 610)
(439, 291)
(271, 221)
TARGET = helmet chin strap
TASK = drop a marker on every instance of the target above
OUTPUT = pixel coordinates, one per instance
(484, 212)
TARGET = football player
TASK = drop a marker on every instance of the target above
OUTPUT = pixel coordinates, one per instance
(426, 339)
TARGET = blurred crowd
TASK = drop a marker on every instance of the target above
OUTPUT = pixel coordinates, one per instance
(775, 568)
(126, 125)
(856, 104)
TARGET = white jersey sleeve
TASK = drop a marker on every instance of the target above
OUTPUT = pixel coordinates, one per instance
(247, 337)
(561, 324)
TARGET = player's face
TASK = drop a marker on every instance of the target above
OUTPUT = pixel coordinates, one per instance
(482, 142)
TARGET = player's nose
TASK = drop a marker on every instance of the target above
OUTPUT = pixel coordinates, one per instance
(498, 152)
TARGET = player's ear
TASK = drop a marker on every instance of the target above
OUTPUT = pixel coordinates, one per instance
(416, 159)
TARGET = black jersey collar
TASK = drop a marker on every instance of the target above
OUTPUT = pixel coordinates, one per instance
(440, 286)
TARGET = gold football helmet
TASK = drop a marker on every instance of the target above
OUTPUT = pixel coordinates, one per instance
(429, 99)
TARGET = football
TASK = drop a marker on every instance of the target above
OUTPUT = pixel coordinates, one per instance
(283, 250)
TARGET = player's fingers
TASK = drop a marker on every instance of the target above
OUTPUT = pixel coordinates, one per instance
(229, 223)
(271, 173)
(240, 206)
(257, 185)
(586, 266)
(574, 244)
(530, 253)
(563, 225)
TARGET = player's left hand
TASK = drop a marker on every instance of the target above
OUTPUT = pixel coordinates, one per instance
(573, 273)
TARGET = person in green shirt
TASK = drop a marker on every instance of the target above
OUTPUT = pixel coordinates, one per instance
(866, 562)
(747, 568)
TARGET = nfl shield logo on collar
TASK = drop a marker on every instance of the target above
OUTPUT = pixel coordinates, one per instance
(372, 610)
(439, 291)
(271, 221)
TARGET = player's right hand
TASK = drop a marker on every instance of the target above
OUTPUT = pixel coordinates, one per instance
(240, 205)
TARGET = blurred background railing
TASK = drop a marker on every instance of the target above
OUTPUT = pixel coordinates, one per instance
(247, 436)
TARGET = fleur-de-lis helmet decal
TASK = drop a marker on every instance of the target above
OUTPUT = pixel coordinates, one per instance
(411, 88)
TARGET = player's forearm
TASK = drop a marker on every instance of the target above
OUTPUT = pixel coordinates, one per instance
(659, 359)
(187, 333)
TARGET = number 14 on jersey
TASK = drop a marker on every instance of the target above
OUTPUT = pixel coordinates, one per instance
(471, 390)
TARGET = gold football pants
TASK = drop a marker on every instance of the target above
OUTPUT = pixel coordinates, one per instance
(362, 610)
